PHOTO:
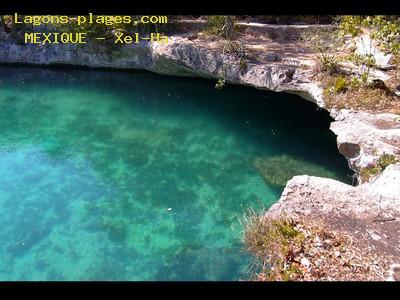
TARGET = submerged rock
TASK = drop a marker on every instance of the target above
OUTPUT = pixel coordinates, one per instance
(365, 46)
(277, 170)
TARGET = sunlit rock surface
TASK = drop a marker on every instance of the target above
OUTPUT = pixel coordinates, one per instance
(363, 137)
(277, 170)
(368, 213)
(179, 57)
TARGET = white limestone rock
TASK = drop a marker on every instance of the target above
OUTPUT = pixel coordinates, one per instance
(363, 137)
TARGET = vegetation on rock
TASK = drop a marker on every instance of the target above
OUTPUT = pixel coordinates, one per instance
(288, 249)
(223, 26)
(348, 79)
(372, 170)
(324, 42)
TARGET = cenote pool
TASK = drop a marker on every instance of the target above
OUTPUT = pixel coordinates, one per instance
(109, 175)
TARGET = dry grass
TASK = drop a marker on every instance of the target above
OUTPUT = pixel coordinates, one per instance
(360, 97)
(394, 75)
(287, 249)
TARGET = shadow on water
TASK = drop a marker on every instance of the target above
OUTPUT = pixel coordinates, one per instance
(280, 122)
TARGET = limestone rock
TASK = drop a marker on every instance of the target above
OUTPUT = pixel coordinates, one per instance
(387, 184)
(369, 213)
(365, 46)
(273, 57)
(363, 137)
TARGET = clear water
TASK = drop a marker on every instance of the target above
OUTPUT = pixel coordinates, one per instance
(132, 176)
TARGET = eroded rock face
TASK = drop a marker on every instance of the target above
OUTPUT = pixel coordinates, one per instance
(388, 186)
(80, 55)
(363, 137)
(306, 195)
(179, 57)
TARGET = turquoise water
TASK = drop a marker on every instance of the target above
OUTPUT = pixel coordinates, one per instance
(110, 175)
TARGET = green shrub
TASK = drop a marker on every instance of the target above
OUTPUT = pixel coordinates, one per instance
(220, 84)
(323, 42)
(330, 63)
(221, 25)
(384, 29)
(374, 169)
(369, 172)
(349, 25)
(340, 84)
(285, 228)
(386, 160)
(355, 83)
(366, 60)
(215, 24)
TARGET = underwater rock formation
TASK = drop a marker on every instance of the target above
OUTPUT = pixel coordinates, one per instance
(277, 170)
(179, 57)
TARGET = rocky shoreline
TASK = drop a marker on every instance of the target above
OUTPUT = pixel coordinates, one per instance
(362, 137)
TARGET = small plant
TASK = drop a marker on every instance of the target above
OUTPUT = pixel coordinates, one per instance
(220, 84)
(324, 42)
(285, 228)
(273, 242)
(374, 169)
(234, 48)
(340, 84)
(330, 63)
(364, 77)
(386, 160)
(221, 25)
(366, 60)
(369, 172)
